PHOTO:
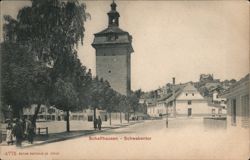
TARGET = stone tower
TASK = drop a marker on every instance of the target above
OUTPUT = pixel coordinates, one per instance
(113, 54)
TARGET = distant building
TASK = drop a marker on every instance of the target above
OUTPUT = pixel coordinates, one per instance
(157, 110)
(88, 115)
(187, 101)
(184, 100)
(238, 104)
(113, 54)
(44, 114)
(206, 77)
(190, 102)
(216, 99)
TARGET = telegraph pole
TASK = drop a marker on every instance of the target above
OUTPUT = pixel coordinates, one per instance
(174, 105)
(166, 114)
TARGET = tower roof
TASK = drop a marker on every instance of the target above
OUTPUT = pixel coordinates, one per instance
(112, 30)
(113, 34)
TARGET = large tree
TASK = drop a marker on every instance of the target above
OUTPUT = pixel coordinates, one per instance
(16, 73)
(65, 98)
(50, 31)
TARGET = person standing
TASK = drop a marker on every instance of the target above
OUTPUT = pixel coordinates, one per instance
(9, 136)
(99, 123)
(95, 123)
(23, 122)
(30, 130)
(18, 132)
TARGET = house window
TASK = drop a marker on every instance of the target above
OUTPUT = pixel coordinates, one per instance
(51, 110)
(193, 94)
(213, 112)
(186, 94)
(220, 112)
(189, 102)
(90, 118)
(42, 110)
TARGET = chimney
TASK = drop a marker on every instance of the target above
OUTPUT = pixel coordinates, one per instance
(173, 80)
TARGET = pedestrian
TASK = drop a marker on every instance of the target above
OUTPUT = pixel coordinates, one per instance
(9, 135)
(18, 133)
(23, 122)
(30, 130)
(99, 123)
(95, 123)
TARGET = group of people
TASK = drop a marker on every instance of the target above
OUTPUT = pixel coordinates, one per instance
(98, 123)
(19, 130)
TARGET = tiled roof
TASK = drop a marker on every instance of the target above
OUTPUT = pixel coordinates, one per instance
(241, 82)
(119, 37)
(189, 87)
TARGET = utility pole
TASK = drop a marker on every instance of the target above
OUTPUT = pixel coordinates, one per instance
(174, 105)
(166, 114)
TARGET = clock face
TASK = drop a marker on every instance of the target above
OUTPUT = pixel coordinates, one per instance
(112, 38)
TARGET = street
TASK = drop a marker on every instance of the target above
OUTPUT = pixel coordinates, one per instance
(185, 138)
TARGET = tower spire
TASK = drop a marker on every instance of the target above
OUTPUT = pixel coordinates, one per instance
(113, 15)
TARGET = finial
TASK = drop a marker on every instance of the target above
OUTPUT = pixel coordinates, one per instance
(113, 5)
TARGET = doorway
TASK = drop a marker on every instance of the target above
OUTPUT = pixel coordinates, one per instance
(233, 112)
(189, 112)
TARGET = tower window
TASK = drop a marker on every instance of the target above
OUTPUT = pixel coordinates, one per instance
(189, 102)
(109, 71)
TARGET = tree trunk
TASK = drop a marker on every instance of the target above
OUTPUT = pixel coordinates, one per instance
(67, 119)
(121, 117)
(36, 113)
(94, 117)
(134, 116)
(16, 111)
(128, 117)
(109, 118)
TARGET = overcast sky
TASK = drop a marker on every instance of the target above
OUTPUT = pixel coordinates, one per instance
(179, 39)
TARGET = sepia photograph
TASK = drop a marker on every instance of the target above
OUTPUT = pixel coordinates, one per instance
(124, 79)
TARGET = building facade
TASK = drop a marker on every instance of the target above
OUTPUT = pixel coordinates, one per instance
(238, 104)
(190, 103)
(113, 54)
(216, 99)
(45, 113)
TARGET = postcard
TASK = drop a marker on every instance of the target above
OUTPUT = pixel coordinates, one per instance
(124, 79)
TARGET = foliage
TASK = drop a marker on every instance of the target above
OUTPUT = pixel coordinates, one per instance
(41, 65)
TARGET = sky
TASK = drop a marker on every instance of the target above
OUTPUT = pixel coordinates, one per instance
(180, 39)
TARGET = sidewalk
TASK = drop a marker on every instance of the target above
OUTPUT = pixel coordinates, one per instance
(61, 136)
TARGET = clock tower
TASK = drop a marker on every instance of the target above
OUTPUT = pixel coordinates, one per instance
(113, 54)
